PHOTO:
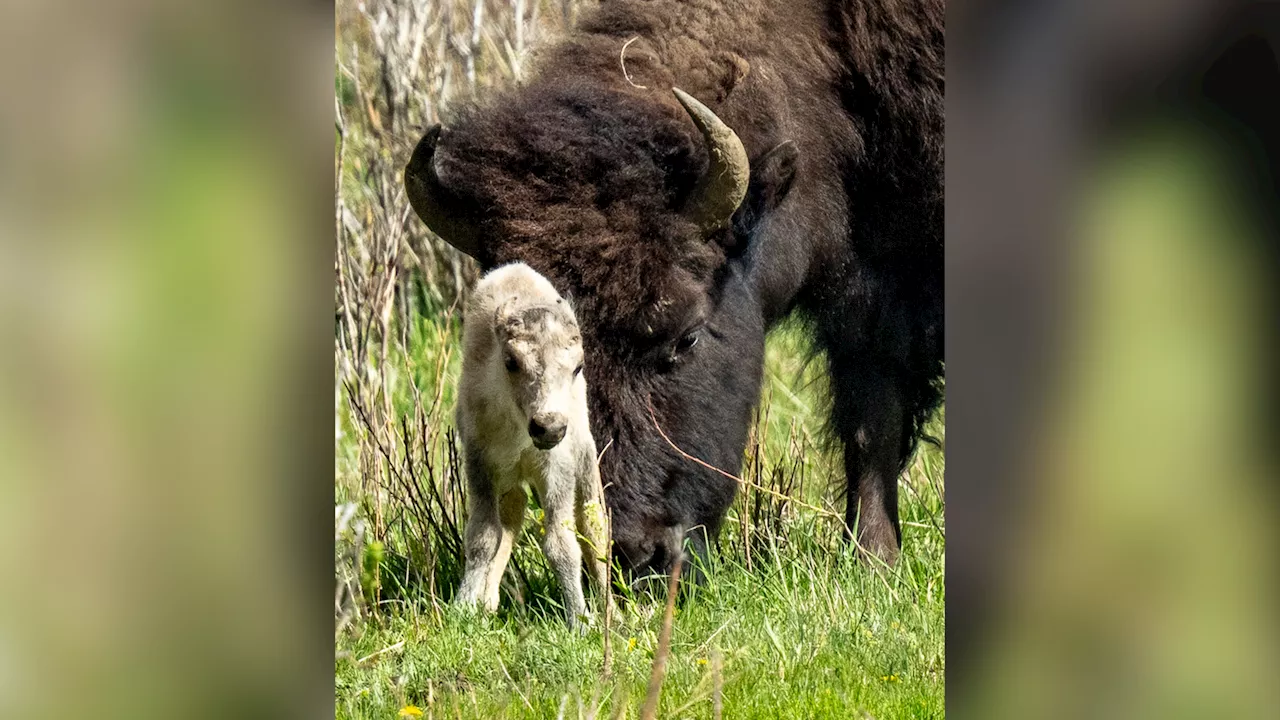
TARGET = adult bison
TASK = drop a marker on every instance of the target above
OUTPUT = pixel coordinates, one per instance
(812, 184)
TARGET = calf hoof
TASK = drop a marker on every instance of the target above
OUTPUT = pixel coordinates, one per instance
(476, 604)
(580, 624)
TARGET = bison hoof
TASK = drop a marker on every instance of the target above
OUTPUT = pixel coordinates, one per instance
(878, 553)
(878, 547)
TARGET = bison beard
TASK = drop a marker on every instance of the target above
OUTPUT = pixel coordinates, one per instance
(615, 189)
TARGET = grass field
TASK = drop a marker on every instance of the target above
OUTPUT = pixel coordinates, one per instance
(788, 625)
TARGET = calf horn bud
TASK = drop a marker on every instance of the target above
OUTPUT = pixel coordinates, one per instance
(431, 201)
(720, 191)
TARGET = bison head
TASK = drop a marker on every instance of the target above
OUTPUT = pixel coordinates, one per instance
(632, 205)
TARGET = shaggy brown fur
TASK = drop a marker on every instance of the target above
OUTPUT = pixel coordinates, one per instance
(582, 174)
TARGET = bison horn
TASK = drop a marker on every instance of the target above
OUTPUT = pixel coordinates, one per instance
(431, 200)
(718, 193)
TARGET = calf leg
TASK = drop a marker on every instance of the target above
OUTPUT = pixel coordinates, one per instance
(483, 538)
(560, 543)
(869, 417)
(511, 507)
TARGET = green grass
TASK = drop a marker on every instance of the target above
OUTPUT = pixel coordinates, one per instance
(788, 625)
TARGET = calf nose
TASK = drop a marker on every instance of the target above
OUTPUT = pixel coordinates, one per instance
(547, 430)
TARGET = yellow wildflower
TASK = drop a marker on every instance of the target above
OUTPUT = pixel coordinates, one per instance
(702, 661)
(631, 644)
(889, 678)
(410, 711)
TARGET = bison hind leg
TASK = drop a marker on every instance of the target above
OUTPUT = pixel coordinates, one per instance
(870, 418)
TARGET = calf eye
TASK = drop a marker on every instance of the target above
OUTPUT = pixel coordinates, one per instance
(577, 371)
(512, 365)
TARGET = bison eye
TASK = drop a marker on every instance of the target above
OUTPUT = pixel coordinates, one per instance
(577, 371)
(512, 364)
(686, 343)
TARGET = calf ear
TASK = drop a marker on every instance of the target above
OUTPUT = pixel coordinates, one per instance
(772, 176)
(505, 318)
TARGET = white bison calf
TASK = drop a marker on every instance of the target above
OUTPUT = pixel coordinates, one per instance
(523, 419)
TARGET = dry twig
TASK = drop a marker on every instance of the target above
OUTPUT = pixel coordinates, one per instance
(649, 710)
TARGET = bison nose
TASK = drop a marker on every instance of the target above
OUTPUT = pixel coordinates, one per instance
(547, 431)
